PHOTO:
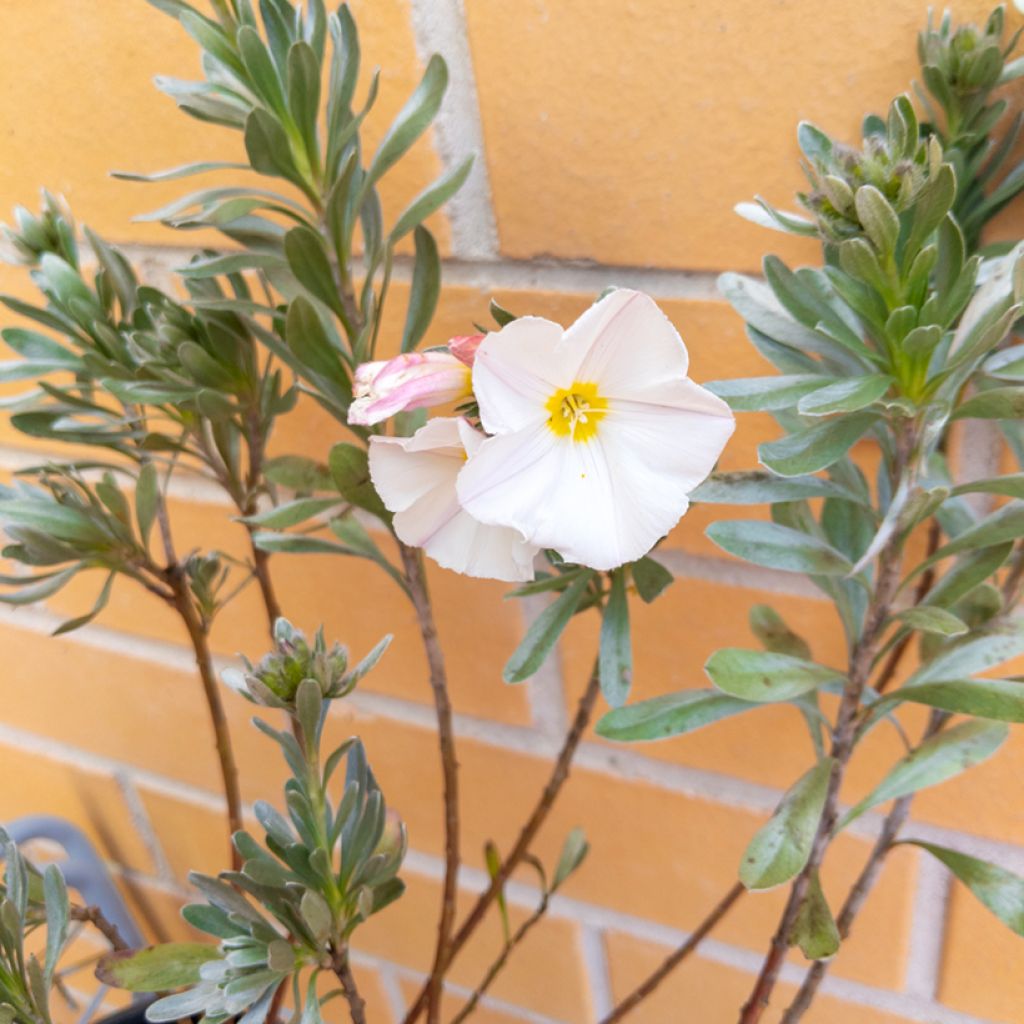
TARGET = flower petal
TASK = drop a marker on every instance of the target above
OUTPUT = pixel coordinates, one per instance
(607, 501)
(629, 344)
(516, 370)
(415, 478)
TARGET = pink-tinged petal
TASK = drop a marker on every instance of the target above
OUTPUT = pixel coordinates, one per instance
(516, 371)
(464, 347)
(629, 344)
(414, 380)
(415, 478)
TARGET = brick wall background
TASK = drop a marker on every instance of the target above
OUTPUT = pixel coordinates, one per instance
(615, 138)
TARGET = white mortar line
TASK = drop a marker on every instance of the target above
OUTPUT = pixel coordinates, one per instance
(439, 26)
(144, 826)
(979, 456)
(393, 994)
(574, 277)
(594, 956)
(928, 927)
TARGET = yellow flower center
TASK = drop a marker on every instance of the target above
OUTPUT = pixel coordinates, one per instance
(576, 411)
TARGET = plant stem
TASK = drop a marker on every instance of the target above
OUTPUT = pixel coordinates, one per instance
(94, 916)
(412, 562)
(894, 822)
(211, 690)
(181, 601)
(646, 987)
(527, 834)
(356, 1003)
(843, 736)
(495, 969)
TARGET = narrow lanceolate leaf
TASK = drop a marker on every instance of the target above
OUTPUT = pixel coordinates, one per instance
(544, 632)
(817, 447)
(998, 889)
(350, 470)
(770, 628)
(670, 715)
(779, 850)
(767, 394)
(425, 290)
(1011, 485)
(759, 487)
(940, 758)
(778, 547)
(1005, 524)
(146, 500)
(976, 655)
(291, 513)
(615, 662)
(764, 676)
(933, 620)
(846, 396)
(814, 930)
(996, 404)
(1001, 700)
(156, 968)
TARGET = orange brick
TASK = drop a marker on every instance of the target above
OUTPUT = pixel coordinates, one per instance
(982, 961)
(647, 168)
(86, 797)
(710, 991)
(105, 110)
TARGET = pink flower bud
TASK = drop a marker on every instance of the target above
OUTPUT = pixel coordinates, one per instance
(464, 347)
(413, 380)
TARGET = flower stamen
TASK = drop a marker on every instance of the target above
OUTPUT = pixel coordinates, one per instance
(575, 411)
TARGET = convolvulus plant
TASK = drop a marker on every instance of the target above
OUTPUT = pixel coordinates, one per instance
(570, 455)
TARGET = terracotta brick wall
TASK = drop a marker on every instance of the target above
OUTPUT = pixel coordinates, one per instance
(616, 136)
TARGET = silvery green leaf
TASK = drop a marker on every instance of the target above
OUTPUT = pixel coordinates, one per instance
(669, 715)
(767, 394)
(766, 676)
(814, 930)
(817, 447)
(845, 396)
(937, 621)
(778, 547)
(779, 850)
(156, 968)
(939, 758)
(998, 889)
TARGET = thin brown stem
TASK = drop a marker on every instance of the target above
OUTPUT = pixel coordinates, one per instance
(843, 739)
(674, 959)
(94, 916)
(182, 601)
(559, 773)
(211, 690)
(891, 827)
(343, 971)
(412, 562)
(495, 969)
(924, 584)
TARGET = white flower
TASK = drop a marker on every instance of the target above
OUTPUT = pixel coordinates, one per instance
(415, 478)
(599, 434)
